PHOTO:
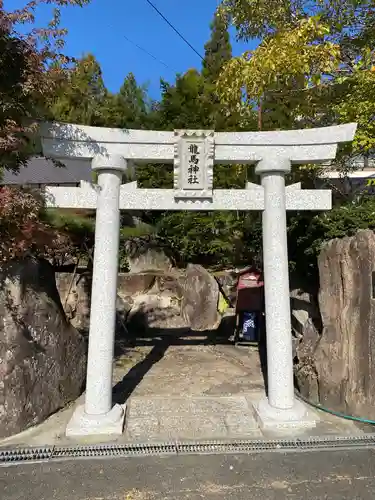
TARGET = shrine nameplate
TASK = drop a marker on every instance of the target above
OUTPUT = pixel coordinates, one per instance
(193, 163)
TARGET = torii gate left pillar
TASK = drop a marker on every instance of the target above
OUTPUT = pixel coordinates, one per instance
(273, 154)
(98, 416)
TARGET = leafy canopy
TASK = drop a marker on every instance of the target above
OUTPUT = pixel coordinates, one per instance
(290, 56)
(314, 65)
(263, 18)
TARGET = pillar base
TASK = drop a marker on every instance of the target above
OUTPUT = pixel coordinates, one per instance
(82, 424)
(298, 417)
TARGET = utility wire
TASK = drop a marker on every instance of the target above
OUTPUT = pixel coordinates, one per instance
(174, 29)
(147, 52)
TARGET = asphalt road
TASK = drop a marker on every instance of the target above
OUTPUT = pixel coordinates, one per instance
(311, 475)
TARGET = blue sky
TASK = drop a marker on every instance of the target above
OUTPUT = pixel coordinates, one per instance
(100, 28)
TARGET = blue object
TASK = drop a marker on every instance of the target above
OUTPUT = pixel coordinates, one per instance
(250, 327)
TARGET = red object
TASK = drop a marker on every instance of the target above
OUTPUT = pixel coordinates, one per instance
(250, 292)
(250, 280)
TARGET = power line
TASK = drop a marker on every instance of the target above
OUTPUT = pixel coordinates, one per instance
(174, 29)
(147, 52)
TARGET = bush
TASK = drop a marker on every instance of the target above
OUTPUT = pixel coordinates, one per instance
(308, 232)
(127, 233)
(23, 231)
(79, 227)
(214, 239)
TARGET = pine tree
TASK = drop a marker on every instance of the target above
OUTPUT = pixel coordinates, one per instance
(129, 107)
(218, 49)
(187, 103)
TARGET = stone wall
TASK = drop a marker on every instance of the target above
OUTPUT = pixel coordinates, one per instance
(337, 366)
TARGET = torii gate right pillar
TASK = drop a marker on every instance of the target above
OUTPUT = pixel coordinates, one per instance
(280, 407)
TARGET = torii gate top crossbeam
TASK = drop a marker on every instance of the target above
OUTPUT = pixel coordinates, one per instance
(299, 146)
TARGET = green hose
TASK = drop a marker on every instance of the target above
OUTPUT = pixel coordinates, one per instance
(333, 412)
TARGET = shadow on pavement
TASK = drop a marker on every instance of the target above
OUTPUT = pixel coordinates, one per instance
(160, 340)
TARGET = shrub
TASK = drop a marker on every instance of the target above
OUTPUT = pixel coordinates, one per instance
(308, 233)
(22, 228)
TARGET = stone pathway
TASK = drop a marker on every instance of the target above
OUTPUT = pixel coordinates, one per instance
(181, 390)
(189, 392)
(189, 370)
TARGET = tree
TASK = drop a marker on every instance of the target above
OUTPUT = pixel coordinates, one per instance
(81, 96)
(31, 65)
(18, 70)
(307, 233)
(129, 108)
(212, 238)
(218, 49)
(185, 104)
(290, 60)
(260, 19)
(314, 66)
(307, 51)
(23, 229)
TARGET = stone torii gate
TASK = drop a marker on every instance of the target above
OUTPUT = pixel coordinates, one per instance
(194, 152)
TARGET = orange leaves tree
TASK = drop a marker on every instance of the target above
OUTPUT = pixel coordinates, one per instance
(32, 66)
(23, 229)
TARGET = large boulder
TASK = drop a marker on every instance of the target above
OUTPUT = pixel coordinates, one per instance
(75, 294)
(305, 311)
(228, 280)
(150, 301)
(199, 304)
(341, 359)
(42, 356)
(157, 307)
(306, 321)
(147, 254)
(130, 284)
(75, 291)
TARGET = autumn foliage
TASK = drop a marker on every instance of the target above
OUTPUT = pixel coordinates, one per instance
(32, 66)
(23, 229)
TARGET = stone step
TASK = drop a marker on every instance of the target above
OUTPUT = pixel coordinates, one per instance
(198, 417)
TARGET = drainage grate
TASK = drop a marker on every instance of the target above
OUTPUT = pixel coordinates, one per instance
(22, 455)
(125, 450)
(284, 445)
(25, 454)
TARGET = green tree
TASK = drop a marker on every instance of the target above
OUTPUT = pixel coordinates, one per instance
(308, 51)
(215, 239)
(81, 97)
(130, 107)
(314, 66)
(186, 104)
(211, 238)
(307, 233)
(260, 19)
(218, 49)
